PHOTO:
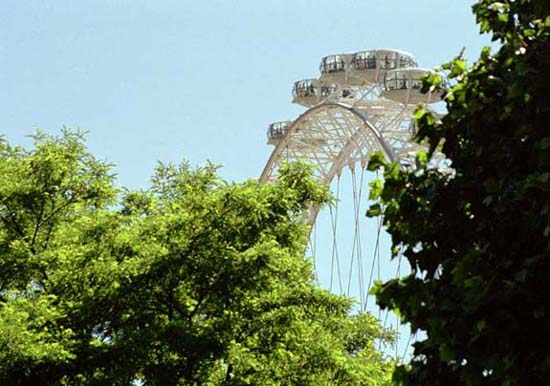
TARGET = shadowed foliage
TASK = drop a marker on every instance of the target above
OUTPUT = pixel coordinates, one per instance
(478, 237)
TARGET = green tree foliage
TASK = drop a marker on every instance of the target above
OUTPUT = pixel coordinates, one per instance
(478, 238)
(192, 282)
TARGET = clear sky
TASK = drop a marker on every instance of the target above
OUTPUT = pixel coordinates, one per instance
(196, 80)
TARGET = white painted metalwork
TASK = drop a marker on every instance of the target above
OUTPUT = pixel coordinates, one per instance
(356, 107)
(350, 114)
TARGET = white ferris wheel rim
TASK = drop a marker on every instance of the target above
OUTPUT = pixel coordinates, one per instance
(275, 157)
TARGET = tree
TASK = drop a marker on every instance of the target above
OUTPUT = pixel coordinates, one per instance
(478, 237)
(192, 282)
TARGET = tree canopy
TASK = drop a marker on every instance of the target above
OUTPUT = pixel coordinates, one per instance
(477, 236)
(194, 281)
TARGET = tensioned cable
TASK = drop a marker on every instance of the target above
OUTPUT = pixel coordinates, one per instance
(334, 222)
(312, 242)
(374, 257)
(411, 337)
(379, 276)
(358, 232)
(313, 246)
(356, 240)
(398, 320)
(357, 195)
(388, 312)
(353, 247)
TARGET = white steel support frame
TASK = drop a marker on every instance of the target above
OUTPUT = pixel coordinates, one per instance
(341, 132)
(333, 135)
(344, 129)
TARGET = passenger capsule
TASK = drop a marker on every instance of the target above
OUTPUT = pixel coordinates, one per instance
(310, 92)
(404, 86)
(277, 131)
(335, 68)
(370, 66)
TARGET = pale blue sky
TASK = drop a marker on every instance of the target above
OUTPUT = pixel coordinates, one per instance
(167, 80)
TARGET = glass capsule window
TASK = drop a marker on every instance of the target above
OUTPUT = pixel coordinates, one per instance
(406, 61)
(364, 61)
(277, 130)
(305, 88)
(388, 60)
(401, 80)
(311, 88)
(332, 64)
(327, 90)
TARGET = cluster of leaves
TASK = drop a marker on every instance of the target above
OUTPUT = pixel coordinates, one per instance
(192, 282)
(478, 238)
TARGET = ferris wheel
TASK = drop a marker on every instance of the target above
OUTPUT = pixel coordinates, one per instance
(361, 103)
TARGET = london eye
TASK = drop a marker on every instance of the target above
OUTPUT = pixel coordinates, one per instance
(361, 103)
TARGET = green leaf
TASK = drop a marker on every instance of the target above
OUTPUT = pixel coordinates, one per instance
(445, 353)
(458, 67)
(376, 161)
(376, 187)
(421, 159)
(375, 210)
